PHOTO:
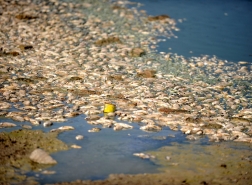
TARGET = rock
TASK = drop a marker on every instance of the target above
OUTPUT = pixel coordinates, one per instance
(42, 157)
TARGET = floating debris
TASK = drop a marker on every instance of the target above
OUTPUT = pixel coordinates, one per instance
(108, 108)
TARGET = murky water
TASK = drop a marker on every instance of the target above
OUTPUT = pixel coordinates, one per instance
(221, 28)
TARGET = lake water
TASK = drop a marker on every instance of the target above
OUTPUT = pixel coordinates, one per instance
(210, 27)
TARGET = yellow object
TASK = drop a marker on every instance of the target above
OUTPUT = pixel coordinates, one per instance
(108, 107)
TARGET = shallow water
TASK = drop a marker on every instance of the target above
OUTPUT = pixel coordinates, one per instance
(102, 153)
(209, 27)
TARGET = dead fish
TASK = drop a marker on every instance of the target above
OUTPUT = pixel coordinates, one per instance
(79, 137)
(47, 124)
(95, 130)
(151, 128)
(122, 126)
(7, 124)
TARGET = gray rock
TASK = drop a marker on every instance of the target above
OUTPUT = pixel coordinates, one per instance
(42, 157)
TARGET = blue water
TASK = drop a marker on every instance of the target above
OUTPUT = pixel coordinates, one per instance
(210, 27)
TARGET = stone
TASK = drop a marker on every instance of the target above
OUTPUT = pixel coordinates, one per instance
(41, 157)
